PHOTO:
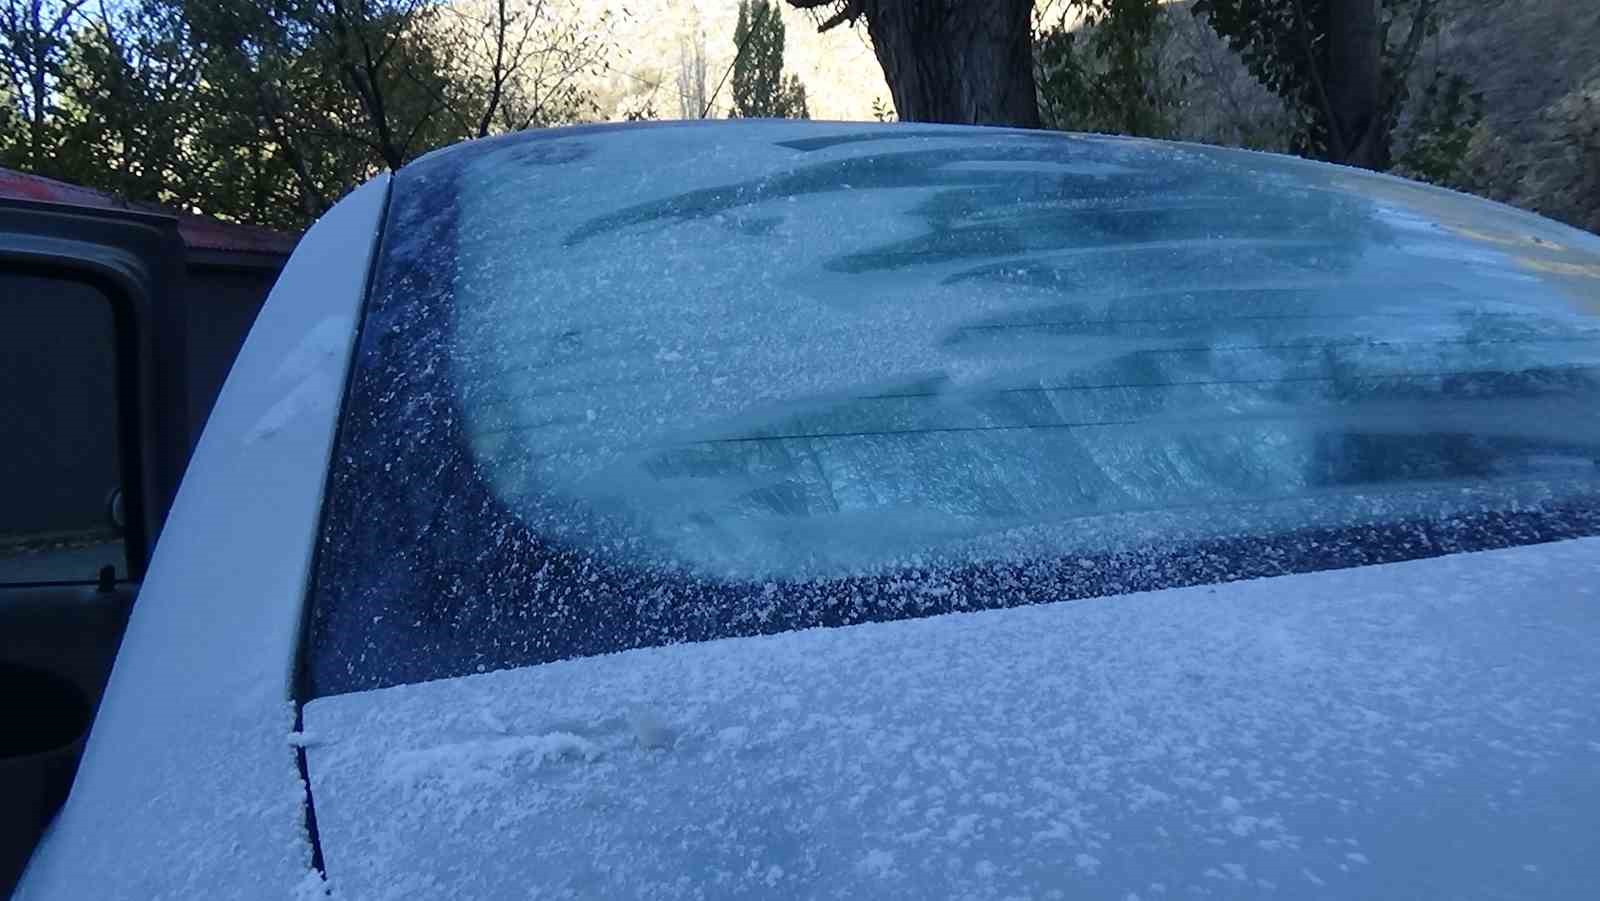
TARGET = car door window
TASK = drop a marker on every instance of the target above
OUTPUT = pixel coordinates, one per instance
(61, 511)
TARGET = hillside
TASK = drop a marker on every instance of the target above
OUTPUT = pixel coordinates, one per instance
(1537, 63)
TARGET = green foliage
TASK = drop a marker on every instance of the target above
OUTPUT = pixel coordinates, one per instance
(1267, 35)
(1585, 131)
(35, 36)
(518, 64)
(1581, 132)
(1440, 133)
(267, 111)
(760, 89)
(1103, 73)
(1285, 46)
(881, 111)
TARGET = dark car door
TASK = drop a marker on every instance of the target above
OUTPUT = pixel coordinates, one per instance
(93, 436)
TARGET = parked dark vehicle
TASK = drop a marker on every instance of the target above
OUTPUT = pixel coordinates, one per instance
(117, 328)
(798, 509)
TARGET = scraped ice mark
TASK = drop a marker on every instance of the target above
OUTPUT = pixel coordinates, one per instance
(464, 763)
(1058, 832)
(1312, 878)
(1143, 795)
(1244, 825)
(963, 829)
(313, 368)
(325, 341)
(492, 722)
(1356, 857)
(878, 862)
(650, 730)
(317, 393)
(735, 737)
(1087, 863)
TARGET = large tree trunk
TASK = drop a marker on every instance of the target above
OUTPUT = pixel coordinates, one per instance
(963, 61)
(1358, 127)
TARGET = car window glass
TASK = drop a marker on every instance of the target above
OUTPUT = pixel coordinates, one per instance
(845, 360)
(785, 380)
(61, 513)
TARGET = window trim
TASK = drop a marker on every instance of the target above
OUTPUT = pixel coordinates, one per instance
(135, 261)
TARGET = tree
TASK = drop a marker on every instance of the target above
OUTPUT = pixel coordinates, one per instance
(520, 64)
(267, 111)
(1341, 65)
(964, 61)
(760, 89)
(692, 99)
(131, 107)
(34, 37)
(328, 91)
(332, 91)
(1098, 68)
(1222, 102)
(1441, 128)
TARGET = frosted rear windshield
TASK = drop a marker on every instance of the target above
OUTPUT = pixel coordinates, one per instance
(626, 387)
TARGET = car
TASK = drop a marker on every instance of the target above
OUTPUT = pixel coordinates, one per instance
(797, 509)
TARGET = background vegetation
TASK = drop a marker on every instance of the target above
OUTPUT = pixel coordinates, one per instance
(267, 111)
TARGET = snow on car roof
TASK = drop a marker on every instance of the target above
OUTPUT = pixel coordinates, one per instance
(1422, 729)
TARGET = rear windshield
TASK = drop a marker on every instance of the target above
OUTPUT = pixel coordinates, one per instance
(619, 387)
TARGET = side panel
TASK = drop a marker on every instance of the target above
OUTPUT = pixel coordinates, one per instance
(189, 786)
(223, 302)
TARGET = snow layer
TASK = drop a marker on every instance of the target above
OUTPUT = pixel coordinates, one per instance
(792, 349)
(1417, 730)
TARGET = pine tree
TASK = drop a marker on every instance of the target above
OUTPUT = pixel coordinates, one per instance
(760, 89)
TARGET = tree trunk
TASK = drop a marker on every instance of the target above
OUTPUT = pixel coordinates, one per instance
(961, 61)
(1358, 128)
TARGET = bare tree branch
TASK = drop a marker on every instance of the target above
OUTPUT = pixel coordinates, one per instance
(1308, 46)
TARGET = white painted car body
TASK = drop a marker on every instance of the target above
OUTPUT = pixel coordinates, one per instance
(1299, 736)
(189, 787)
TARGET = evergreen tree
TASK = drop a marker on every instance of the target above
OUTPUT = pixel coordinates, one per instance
(760, 89)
